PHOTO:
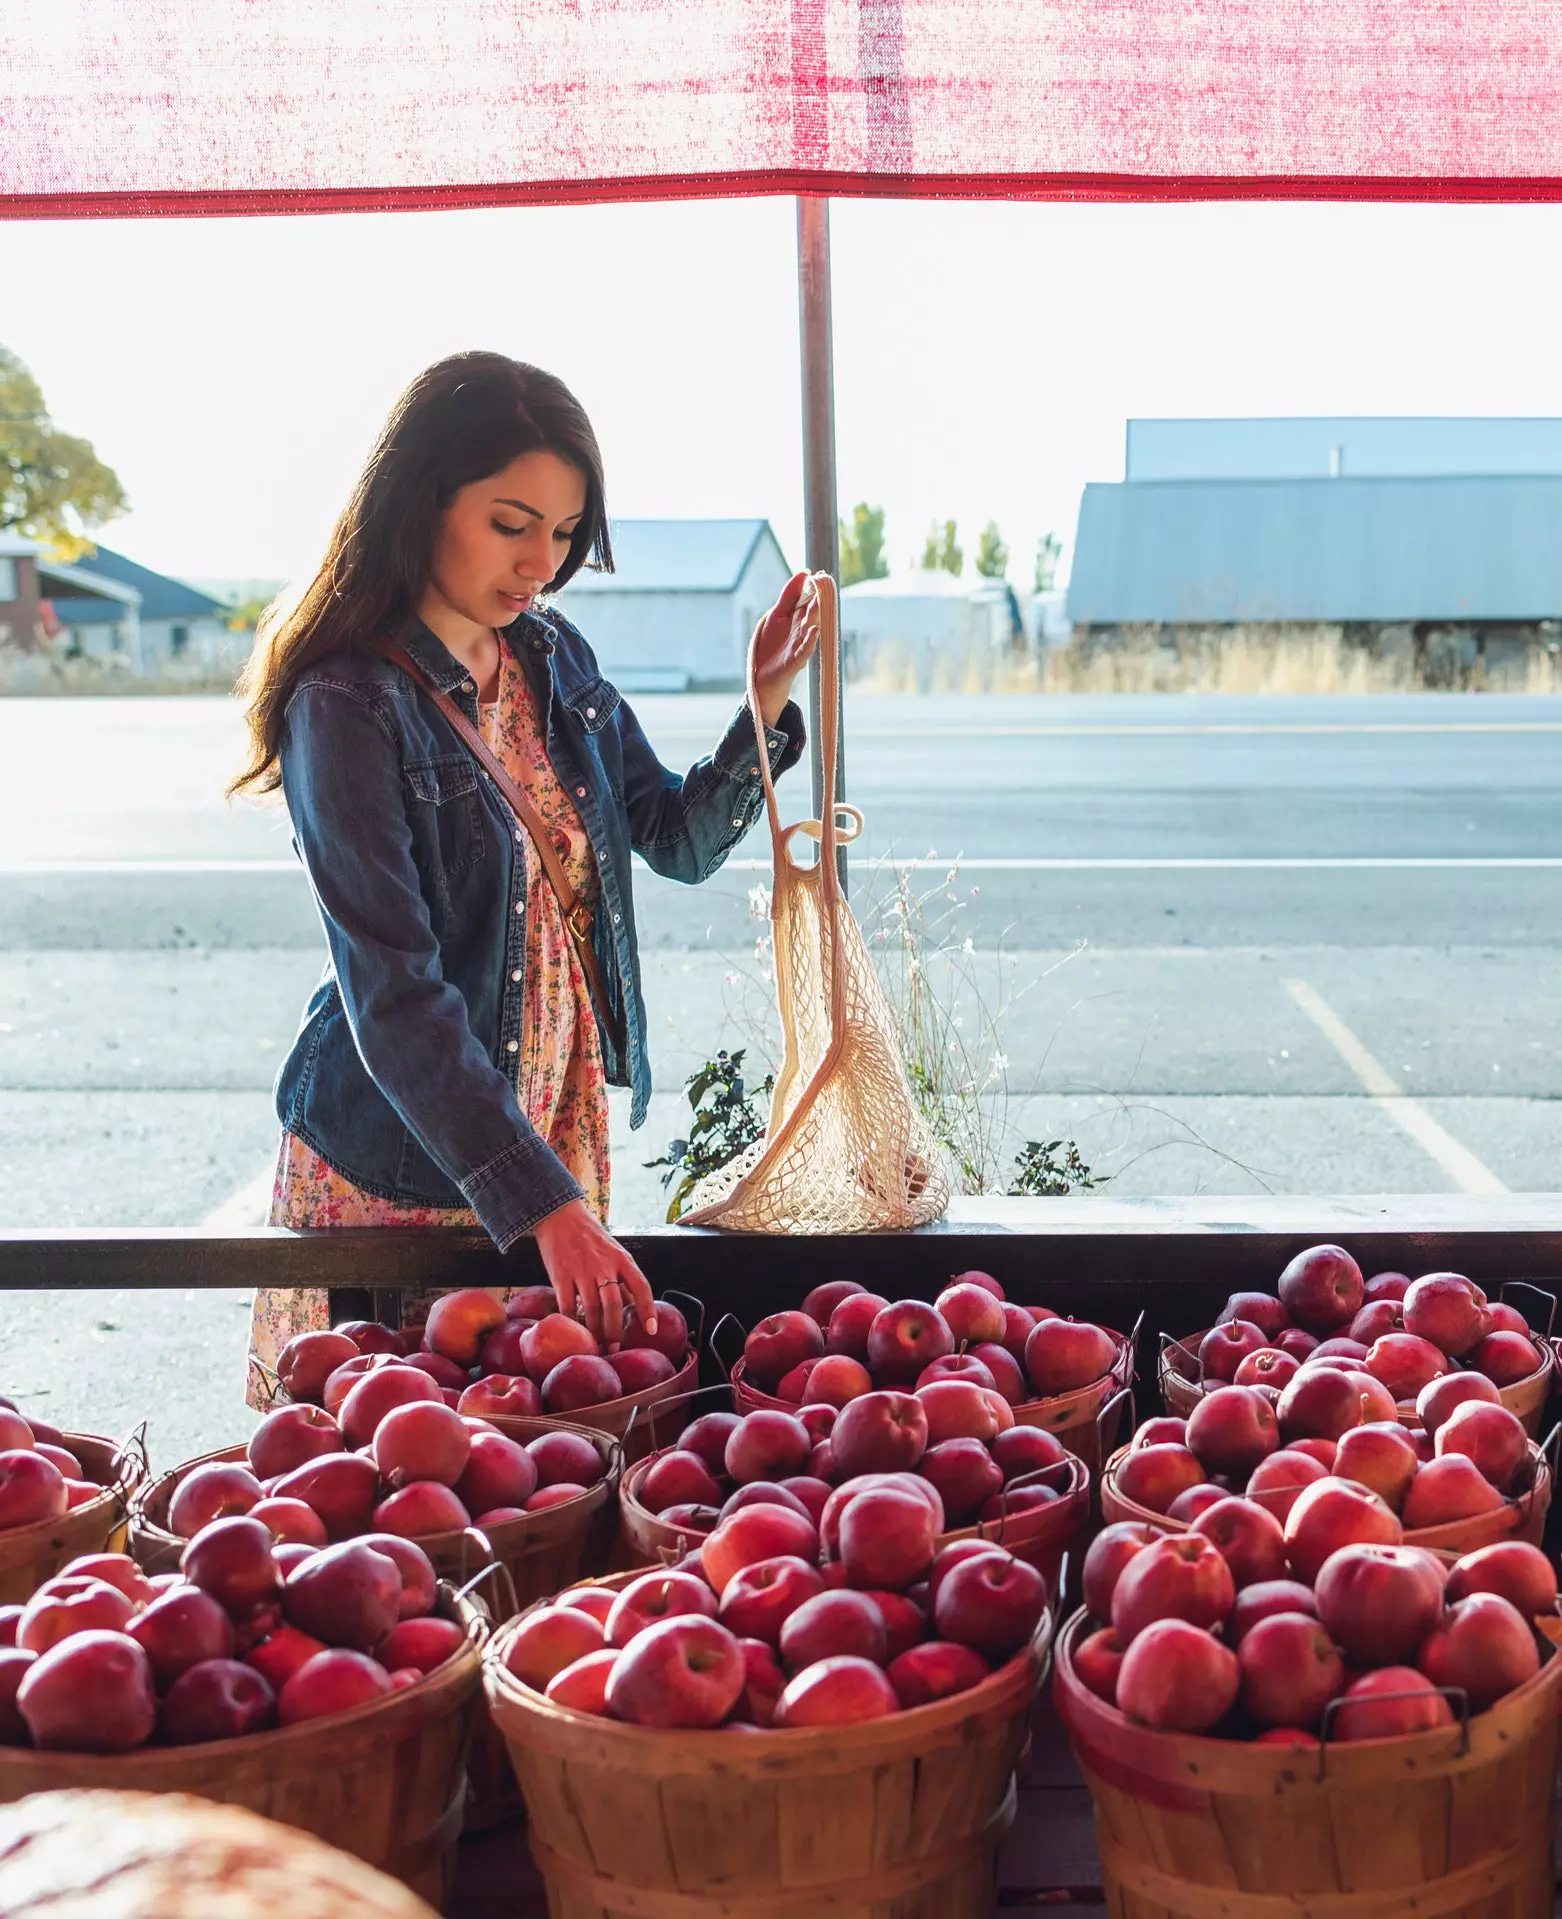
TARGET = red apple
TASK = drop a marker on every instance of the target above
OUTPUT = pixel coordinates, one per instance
(656, 1596)
(1264, 1601)
(351, 1372)
(1331, 1514)
(971, 1313)
(1507, 1319)
(532, 1302)
(847, 1331)
(1017, 1324)
(1223, 1349)
(1320, 1403)
(557, 1495)
(1379, 1602)
(1377, 1319)
(341, 1487)
(812, 1494)
(1251, 1540)
(377, 1393)
(1277, 1481)
(288, 1553)
(991, 1602)
(562, 1458)
(1231, 1429)
(1291, 1669)
(217, 1491)
(1517, 1571)
(765, 1492)
(1482, 1644)
(965, 1474)
(421, 1643)
(1267, 1367)
(421, 1510)
(1340, 1347)
(1262, 1310)
(578, 1382)
(984, 1280)
(934, 1670)
(114, 1569)
(1322, 1289)
(835, 1380)
(757, 1533)
(758, 1600)
(348, 1595)
(677, 1478)
(958, 1366)
(459, 1323)
(551, 1342)
(1110, 1551)
(779, 1344)
(905, 1623)
(290, 1522)
(1164, 1430)
(671, 1338)
(1180, 1576)
(1062, 1355)
(1154, 1476)
(1027, 1449)
(708, 1435)
(1386, 1286)
(92, 1692)
(763, 1683)
(1176, 1678)
(1296, 1344)
(308, 1360)
(1380, 1457)
(768, 1445)
(280, 1655)
(639, 1368)
(64, 1462)
(887, 1538)
(1504, 1357)
(232, 1560)
(498, 1472)
(687, 1671)
(216, 1699)
(955, 1409)
(371, 1338)
(62, 1607)
(821, 1303)
(421, 1442)
(548, 1640)
(288, 1439)
(445, 1373)
(1008, 1379)
(1448, 1310)
(1197, 1499)
(836, 1692)
(1404, 1364)
(1098, 1660)
(330, 1683)
(833, 1625)
(904, 1339)
(880, 1432)
(583, 1686)
(842, 1496)
(511, 1396)
(1389, 1703)
(795, 1383)
(1491, 1437)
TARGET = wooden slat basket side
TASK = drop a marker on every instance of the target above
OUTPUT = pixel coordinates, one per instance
(543, 1553)
(1522, 1518)
(31, 1554)
(386, 1781)
(895, 1819)
(1451, 1822)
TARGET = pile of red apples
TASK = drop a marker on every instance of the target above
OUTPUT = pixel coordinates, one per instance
(1403, 1333)
(783, 1620)
(846, 1342)
(248, 1634)
(1227, 1630)
(384, 1453)
(525, 1359)
(957, 1438)
(40, 1477)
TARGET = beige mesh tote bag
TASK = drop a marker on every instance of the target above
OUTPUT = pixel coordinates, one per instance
(846, 1150)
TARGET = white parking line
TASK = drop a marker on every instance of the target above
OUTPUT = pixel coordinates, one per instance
(1468, 1173)
(247, 1206)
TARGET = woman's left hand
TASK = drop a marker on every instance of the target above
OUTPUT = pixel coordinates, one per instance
(784, 644)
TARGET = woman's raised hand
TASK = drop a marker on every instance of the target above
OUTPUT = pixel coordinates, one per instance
(784, 644)
(587, 1267)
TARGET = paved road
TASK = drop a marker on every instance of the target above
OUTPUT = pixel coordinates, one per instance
(1309, 945)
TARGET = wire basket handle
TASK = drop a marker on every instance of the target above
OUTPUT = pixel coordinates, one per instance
(1456, 1696)
(726, 1365)
(130, 1465)
(1549, 1300)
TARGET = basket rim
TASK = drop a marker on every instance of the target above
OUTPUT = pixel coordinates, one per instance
(1428, 1538)
(110, 1492)
(1270, 1766)
(463, 1665)
(1029, 1663)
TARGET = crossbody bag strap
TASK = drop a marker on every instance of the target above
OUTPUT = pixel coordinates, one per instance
(577, 914)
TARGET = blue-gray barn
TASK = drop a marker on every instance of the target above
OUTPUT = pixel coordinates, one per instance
(677, 611)
(1409, 530)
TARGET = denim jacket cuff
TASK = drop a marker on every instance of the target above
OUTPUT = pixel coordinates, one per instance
(735, 756)
(519, 1187)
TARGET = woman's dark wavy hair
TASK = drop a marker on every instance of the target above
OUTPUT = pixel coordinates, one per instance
(459, 421)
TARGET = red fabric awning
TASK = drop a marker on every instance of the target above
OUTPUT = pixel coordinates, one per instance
(112, 107)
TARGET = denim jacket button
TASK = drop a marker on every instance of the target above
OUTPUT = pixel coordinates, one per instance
(580, 792)
(520, 906)
(591, 712)
(517, 975)
(617, 917)
(512, 1046)
(519, 834)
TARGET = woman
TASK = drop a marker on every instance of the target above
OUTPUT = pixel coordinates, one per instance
(452, 1068)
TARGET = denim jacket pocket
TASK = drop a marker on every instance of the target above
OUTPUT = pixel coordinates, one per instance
(594, 707)
(450, 785)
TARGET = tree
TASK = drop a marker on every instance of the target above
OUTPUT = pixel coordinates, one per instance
(943, 550)
(53, 486)
(862, 545)
(992, 556)
(1049, 550)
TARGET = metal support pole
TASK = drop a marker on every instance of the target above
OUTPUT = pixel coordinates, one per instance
(820, 509)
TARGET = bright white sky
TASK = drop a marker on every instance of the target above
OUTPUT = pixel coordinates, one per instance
(987, 356)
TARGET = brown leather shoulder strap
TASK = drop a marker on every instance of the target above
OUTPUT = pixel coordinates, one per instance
(577, 915)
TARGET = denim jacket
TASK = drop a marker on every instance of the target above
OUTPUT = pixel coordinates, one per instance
(403, 1075)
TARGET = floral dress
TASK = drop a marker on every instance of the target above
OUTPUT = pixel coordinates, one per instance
(560, 1080)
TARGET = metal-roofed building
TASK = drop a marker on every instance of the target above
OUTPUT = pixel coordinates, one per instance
(93, 600)
(1440, 537)
(677, 611)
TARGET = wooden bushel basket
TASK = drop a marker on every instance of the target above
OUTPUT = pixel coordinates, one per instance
(896, 1819)
(1522, 1516)
(1458, 1821)
(1182, 1384)
(386, 1781)
(31, 1554)
(1075, 1418)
